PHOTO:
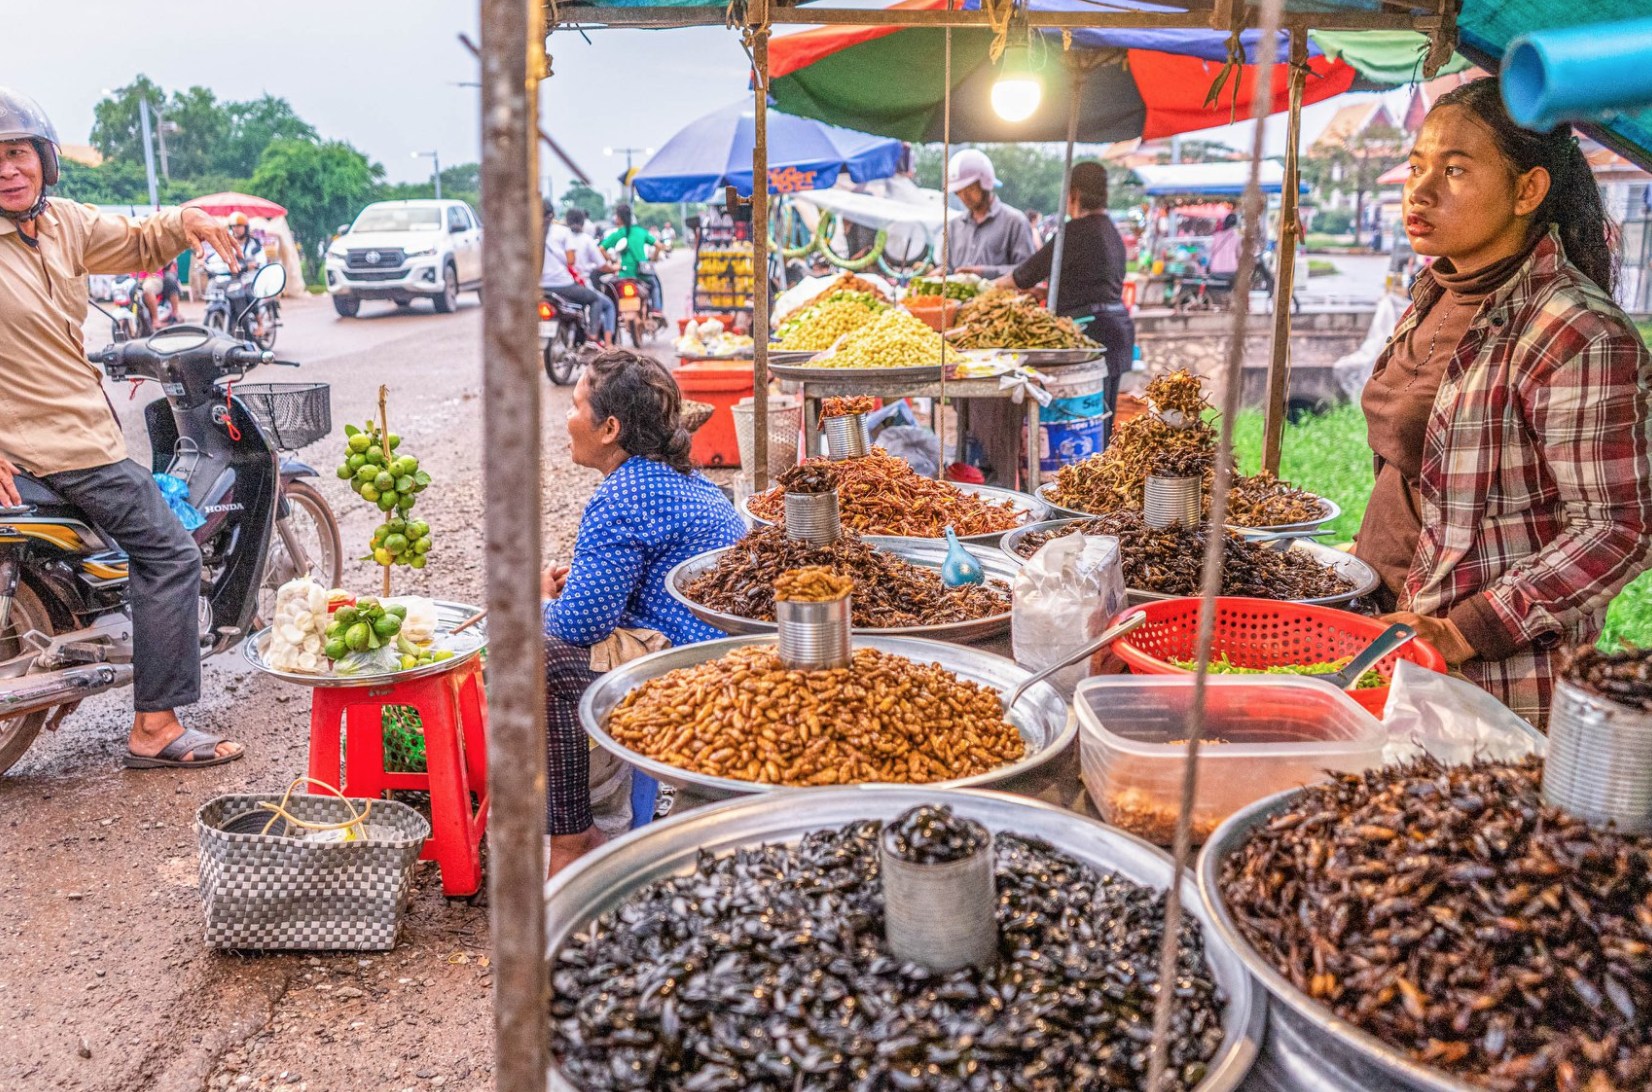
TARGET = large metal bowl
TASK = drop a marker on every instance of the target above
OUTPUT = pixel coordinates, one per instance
(1330, 511)
(1308, 1046)
(1030, 510)
(926, 552)
(448, 615)
(601, 881)
(1041, 716)
(1057, 511)
(1362, 576)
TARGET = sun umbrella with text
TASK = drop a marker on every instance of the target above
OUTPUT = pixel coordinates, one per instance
(222, 204)
(715, 151)
(888, 80)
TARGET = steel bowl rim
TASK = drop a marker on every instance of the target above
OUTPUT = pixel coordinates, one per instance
(1333, 510)
(1032, 509)
(1040, 695)
(1367, 1047)
(974, 629)
(1234, 1059)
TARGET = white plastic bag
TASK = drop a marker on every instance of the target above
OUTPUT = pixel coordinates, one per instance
(420, 624)
(1451, 719)
(298, 628)
(1064, 597)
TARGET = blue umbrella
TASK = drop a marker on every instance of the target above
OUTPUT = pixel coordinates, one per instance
(715, 151)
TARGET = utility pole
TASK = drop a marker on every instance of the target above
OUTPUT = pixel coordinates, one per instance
(148, 154)
(436, 169)
(627, 153)
(160, 138)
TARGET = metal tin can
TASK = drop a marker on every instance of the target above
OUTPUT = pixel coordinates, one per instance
(846, 436)
(1172, 500)
(813, 518)
(813, 636)
(1599, 766)
(940, 916)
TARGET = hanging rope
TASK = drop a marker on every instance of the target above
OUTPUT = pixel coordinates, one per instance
(946, 237)
(1215, 544)
(999, 14)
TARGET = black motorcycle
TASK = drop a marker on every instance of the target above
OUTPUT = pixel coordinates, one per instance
(564, 331)
(65, 617)
(234, 309)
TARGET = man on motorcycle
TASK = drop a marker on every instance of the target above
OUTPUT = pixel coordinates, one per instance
(252, 250)
(633, 246)
(557, 277)
(56, 423)
(155, 289)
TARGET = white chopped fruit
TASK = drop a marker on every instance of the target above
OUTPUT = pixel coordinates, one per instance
(308, 661)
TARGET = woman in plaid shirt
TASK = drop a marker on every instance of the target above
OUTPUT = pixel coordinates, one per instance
(1510, 414)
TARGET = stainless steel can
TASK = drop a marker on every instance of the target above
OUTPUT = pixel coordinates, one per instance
(940, 916)
(813, 636)
(846, 436)
(1599, 765)
(1172, 500)
(813, 518)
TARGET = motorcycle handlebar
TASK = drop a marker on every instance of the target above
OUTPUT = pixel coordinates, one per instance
(247, 358)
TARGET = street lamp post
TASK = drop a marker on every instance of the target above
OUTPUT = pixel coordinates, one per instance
(435, 169)
(627, 153)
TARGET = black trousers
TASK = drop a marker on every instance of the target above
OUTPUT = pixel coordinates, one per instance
(165, 578)
(1117, 333)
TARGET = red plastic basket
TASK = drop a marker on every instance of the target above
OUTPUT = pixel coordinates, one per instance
(1262, 633)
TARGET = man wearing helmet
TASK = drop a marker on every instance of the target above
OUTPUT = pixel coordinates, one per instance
(56, 423)
(252, 250)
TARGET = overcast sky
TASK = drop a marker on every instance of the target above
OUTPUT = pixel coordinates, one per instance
(382, 74)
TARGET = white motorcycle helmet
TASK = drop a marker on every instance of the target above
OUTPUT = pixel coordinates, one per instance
(21, 118)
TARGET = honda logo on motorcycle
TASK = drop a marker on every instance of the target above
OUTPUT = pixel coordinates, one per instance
(231, 507)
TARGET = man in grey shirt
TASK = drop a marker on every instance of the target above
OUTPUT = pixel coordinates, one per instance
(991, 238)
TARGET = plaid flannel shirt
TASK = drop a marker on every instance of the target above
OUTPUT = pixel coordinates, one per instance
(1536, 484)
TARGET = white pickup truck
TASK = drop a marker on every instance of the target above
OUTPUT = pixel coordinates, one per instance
(406, 250)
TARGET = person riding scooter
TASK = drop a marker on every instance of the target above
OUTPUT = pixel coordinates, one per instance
(559, 277)
(635, 248)
(67, 435)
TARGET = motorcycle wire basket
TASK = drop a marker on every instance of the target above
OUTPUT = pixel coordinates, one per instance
(294, 414)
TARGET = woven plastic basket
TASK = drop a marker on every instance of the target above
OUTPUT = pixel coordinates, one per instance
(785, 426)
(1262, 633)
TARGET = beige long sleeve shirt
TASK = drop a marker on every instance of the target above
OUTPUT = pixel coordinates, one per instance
(53, 413)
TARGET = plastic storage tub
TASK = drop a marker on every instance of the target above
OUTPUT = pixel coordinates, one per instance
(1263, 734)
(714, 443)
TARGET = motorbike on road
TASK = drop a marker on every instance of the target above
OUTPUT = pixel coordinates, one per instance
(1204, 291)
(638, 314)
(234, 309)
(564, 331)
(65, 610)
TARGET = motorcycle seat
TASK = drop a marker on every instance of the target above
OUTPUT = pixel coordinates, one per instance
(36, 492)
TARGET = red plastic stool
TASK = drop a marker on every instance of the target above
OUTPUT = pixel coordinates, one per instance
(453, 707)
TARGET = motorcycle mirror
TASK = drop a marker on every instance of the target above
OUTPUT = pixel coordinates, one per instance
(268, 282)
(114, 323)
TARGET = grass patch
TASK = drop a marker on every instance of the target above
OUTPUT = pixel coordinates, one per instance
(1646, 332)
(1328, 455)
(1319, 267)
(1318, 241)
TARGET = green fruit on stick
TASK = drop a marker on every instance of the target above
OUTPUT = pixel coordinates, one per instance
(375, 454)
(356, 636)
(417, 529)
(369, 493)
(388, 626)
(384, 481)
(336, 649)
(344, 472)
(356, 462)
(387, 501)
(395, 543)
(404, 484)
(417, 561)
(359, 442)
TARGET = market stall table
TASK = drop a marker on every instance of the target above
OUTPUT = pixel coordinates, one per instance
(1072, 381)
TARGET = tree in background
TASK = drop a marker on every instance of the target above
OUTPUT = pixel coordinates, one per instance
(253, 126)
(460, 183)
(1029, 175)
(322, 185)
(581, 196)
(192, 124)
(1351, 165)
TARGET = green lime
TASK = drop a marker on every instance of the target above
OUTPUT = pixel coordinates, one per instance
(397, 609)
(375, 454)
(397, 524)
(369, 493)
(388, 626)
(387, 501)
(356, 462)
(384, 481)
(395, 543)
(417, 561)
(400, 467)
(344, 472)
(356, 636)
(410, 662)
(417, 529)
(344, 616)
(406, 502)
(421, 545)
(359, 442)
(442, 654)
(366, 474)
(395, 441)
(336, 648)
(383, 556)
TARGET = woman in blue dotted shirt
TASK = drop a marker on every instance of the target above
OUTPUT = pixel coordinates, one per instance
(650, 512)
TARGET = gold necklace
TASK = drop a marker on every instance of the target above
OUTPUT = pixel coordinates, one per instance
(1433, 342)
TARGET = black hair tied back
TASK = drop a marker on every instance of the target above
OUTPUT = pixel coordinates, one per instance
(1574, 203)
(640, 394)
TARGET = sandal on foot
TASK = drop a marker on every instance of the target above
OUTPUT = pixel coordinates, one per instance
(200, 748)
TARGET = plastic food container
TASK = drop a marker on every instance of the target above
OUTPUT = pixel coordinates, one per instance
(1263, 734)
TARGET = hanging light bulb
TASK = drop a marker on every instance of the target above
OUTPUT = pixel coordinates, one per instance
(1017, 91)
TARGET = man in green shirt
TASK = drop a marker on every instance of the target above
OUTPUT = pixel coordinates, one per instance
(638, 248)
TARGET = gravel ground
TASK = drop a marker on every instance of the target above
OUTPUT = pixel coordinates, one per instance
(105, 983)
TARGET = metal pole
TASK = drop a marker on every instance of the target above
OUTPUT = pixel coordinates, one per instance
(148, 153)
(1290, 230)
(436, 165)
(160, 138)
(513, 62)
(758, 28)
(1066, 196)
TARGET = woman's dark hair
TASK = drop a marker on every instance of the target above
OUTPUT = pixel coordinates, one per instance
(622, 215)
(1574, 204)
(1089, 185)
(574, 218)
(640, 394)
(1231, 220)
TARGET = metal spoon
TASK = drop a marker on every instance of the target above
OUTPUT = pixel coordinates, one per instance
(1387, 641)
(1107, 637)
